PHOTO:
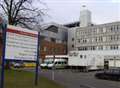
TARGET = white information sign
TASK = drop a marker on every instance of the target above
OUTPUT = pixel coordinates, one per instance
(21, 44)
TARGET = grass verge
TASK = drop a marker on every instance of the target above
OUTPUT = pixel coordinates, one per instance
(23, 79)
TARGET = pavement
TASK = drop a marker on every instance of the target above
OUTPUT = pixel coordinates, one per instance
(71, 79)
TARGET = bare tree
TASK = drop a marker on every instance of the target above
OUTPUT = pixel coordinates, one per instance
(22, 12)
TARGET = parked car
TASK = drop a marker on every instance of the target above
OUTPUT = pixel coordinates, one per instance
(17, 64)
(29, 64)
(111, 74)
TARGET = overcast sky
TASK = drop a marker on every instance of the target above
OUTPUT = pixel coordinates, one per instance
(66, 11)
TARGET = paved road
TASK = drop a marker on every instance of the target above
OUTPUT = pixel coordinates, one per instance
(79, 79)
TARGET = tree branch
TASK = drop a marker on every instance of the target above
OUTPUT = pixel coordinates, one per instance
(22, 12)
(3, 7)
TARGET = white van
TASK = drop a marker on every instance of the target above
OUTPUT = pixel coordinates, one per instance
(58, 62)
(46, 62)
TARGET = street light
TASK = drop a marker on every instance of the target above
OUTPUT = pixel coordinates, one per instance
(53, 68)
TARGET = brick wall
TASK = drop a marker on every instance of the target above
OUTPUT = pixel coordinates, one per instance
(51, 48)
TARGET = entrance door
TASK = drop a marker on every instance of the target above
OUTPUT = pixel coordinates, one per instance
(106, 64)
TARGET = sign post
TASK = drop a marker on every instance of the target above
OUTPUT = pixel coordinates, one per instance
(20, 44)
(37, 62)
(4, 27)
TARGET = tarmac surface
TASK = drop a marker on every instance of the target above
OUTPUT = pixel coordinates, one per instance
(76, 79)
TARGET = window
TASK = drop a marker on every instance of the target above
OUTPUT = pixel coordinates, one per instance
(80, 48)
(72, 46)
(111, 37)
(101, 30)
(94, 30)
(83, 48)
(53, 40)
(72, 39)
(78, 40)
(114, 37)
(59, 62)
(117, 27)
(111, 29)
(75, 54)
(65, 62)
(56, 62)
(100, 47)
(81, 56)
(114, 28)
(93, 47)
(96, 39)
(104, 29)
(100, 39)
(56, 50)
(114, 47)
(117, 37)
(45, 49)
(84, 40)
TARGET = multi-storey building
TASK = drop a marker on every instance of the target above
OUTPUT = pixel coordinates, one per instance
(98, 37)
(93, 42)
(71, 34)
(93, 37)
(53, 40)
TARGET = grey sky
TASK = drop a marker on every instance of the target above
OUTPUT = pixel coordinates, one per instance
(66, 11)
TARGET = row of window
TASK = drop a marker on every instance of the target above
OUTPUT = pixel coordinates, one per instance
(114, 47)
(76, 54)
(111, 47)
(60, 62)
(82, 40)
(45, 49)
(113, 28)
(113, 37)
(99, 39)
(82, 56)
(87, 48)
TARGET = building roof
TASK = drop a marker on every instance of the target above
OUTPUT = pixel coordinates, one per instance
(46, 26)
(72, 24)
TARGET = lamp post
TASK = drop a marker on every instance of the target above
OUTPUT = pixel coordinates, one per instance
(53, 68)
